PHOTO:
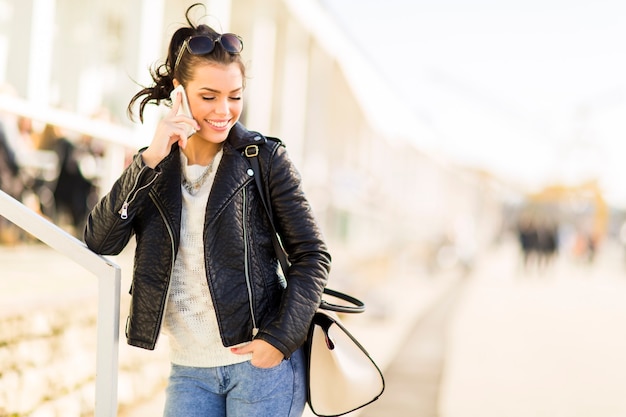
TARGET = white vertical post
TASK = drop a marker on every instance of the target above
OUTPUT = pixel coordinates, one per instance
(220, 9)
(149, 41)
(108, 342)
(260, 96)
(149, 51)
(40, 51)
(294, 89)
(113, 165)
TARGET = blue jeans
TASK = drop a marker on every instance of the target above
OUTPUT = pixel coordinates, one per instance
(240, 390)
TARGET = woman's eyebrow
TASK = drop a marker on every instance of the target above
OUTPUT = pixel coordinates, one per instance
(211, 90)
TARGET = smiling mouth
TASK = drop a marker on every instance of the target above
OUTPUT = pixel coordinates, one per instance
(218, 124)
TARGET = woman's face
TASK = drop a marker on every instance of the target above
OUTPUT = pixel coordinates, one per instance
(216, 99)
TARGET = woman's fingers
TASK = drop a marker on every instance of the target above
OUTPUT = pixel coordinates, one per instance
(173, 128)
(182, 117)
(176, 105)
(264, 355)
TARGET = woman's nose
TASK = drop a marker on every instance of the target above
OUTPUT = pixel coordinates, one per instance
(221, 107)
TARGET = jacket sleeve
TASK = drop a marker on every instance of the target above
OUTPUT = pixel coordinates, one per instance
(307, 253)
(109, 225)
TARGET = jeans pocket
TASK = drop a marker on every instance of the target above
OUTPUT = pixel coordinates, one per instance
(273, 368)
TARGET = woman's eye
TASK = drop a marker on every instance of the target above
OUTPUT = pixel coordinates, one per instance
(235, 98)
(208, 98)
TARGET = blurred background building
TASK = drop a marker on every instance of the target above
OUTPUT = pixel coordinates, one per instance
(355, 141)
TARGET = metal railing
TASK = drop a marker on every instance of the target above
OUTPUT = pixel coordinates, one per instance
(109, 283)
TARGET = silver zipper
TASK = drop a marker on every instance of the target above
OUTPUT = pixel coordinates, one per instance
(255, 329)
(171, 233)
(124, 210)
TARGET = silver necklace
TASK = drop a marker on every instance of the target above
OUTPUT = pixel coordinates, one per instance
(194, 186)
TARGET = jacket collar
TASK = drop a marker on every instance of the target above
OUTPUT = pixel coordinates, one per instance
(239, 137)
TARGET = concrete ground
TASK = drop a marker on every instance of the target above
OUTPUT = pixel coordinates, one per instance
(541, 344)
(509, 342)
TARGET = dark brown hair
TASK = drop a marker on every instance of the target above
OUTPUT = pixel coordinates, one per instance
(163, 75)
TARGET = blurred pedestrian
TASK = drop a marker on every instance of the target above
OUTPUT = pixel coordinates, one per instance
(547, 243)
(74, 193)
(528, 239)
(26, 132)
(205, 266)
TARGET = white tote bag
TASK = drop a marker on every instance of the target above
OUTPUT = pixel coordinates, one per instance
(342, 377)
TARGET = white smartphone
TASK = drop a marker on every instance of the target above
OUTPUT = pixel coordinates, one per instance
(184, 107)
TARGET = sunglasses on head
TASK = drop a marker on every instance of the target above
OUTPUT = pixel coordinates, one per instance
(204, 44)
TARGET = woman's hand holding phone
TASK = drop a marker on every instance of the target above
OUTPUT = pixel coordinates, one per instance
(176, 126)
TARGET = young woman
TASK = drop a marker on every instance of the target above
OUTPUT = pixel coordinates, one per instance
(205, 268)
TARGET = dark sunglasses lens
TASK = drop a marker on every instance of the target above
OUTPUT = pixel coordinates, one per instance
(231, 43)
(200, 45)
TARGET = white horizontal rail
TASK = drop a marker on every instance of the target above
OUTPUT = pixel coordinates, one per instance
(100, 129)
(109, 283)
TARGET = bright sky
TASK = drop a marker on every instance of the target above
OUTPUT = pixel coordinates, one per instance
(534, 90)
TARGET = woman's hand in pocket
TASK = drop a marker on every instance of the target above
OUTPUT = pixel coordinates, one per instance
(264, 355)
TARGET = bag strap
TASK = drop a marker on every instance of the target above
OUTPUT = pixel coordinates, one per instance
(357, 305)
(252, 153)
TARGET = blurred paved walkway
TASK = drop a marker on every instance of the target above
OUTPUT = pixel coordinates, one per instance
(513, 344)
(540, 345)
(413, 378)
(34, 273)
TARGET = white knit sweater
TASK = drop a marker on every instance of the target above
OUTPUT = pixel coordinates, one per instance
(190, 320)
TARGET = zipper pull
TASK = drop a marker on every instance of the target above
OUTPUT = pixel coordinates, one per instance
(124, 211)
(255, 331)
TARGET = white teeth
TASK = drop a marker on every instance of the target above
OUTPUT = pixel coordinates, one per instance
(218, 124)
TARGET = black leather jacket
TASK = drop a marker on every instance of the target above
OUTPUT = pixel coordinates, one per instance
(240, 261)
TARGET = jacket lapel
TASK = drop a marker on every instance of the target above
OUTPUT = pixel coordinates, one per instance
(233, 172)
(231, 176)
